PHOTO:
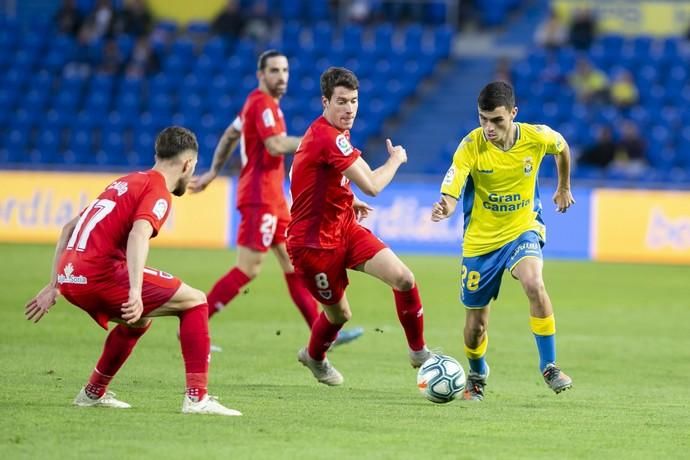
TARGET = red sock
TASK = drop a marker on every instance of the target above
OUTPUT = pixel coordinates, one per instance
(323, 333)
(225, 290)
(302, 298)
(118, 346)
(411, 316)
(196, 345)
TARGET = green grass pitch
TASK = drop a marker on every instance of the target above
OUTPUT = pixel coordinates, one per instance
(623, 336)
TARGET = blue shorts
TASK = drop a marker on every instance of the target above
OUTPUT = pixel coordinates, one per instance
(481, 275)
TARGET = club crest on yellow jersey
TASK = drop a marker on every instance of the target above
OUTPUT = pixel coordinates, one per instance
(528, 167)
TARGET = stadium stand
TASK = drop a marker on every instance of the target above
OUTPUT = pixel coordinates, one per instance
(65, 109)
(72, 103)
(662, 112)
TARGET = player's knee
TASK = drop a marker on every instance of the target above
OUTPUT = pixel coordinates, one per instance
(338, 314)
(404, 280)
(343, 316)
(534, 287)
(194, 298)
(251, 270)
(475, 328)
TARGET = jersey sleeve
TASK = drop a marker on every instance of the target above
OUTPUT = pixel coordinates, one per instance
(265, 117)
(552, 139)
(154, 207)
(463, 161)
(339, 152)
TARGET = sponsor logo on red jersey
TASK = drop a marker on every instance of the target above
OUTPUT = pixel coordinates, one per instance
(67, 277)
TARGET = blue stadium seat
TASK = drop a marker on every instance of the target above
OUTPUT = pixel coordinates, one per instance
(80, 144)
(18, 138)
(215, 49)
(443, 38)
(317, 10)
(412, 42)
(198, 27)
(8, 99)
(322, 38)
(352, 39)
(435, 12)
(383, 36)
(291, 10)
(168, 27)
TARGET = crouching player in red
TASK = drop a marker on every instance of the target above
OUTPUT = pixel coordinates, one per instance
(324, 237)
(100, 267)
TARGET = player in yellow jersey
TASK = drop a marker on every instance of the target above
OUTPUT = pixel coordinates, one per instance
(495, 170)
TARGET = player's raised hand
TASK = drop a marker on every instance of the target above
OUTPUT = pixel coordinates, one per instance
(41, 303)
(133, 308)
(199, 183)
(439, 211)
(396, 152)
(563, 199)
(362, 209)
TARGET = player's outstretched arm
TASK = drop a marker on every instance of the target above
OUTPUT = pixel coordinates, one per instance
(137, 252)
(444, 208)
(282, 145)
(563, 197)
(46, 297)
(226, 145)
(373, 182)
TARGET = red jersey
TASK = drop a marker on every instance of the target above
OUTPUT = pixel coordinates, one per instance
(322, 198)
(262, 176)
(100, 236)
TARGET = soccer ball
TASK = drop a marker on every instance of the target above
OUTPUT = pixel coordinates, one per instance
(440, 379)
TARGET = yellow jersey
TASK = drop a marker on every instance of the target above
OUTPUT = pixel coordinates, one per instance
(501, 191)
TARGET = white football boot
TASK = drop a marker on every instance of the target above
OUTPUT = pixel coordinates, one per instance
(208, 405)
(322, 370)
(107, 400)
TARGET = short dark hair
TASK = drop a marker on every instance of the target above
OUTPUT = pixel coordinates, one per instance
(496, 94)
(337, 76)
(174, 140)
(265, 56)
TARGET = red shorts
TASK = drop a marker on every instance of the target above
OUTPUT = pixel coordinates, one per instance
(324, 271)
(103, 297)
(262, 226)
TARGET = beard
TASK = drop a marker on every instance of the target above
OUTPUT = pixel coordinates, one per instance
(277, 91)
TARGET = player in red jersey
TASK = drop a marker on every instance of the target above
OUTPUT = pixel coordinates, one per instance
(100, 267)
(324, 236)
(260, 199)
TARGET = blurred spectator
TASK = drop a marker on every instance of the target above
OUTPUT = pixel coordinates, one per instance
(229, 22)
(582, 29)
(623, 91)
(630, 152)
(100, 22)
(68, 18)
(134, 19)
(551, 33)
(143, 61)
(590, 84)
(601, 153)
(112, 60)
(359, 11)
(257, 24)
